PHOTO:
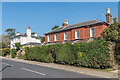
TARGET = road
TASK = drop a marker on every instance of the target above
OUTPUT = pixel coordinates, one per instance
(14, 69)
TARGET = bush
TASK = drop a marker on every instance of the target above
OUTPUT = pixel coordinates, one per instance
(5, 51)
(66, 54)
(93, 54)
(18, 45)
(38, 54)
(13, 53)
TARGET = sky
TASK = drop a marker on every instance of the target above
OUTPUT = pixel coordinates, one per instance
(42, 16)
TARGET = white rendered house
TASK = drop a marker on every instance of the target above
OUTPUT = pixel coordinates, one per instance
(25, 39)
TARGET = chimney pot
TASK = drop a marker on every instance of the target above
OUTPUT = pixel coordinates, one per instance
(108, 10)
(28, 27)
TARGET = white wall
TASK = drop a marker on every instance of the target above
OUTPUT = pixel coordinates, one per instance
(23, 40)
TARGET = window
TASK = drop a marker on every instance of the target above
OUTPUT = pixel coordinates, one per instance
(65, 36)
(92, 32)
(48, 38)
(56, 37)
(77, 32)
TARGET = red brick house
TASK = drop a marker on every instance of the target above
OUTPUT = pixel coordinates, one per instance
(79, 32)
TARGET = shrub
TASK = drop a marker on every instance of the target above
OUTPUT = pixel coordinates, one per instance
(5, 51)
(13, 53)
(38, 54)
(93, 54)
(66, 54)
(18, 45)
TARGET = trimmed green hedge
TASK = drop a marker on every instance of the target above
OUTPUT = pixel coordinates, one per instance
(38, 54)
(5, 51)
(94, 54)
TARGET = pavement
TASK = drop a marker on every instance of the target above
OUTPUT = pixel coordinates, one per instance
(19, 68)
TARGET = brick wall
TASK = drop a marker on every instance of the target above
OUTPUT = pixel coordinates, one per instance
(84, 33)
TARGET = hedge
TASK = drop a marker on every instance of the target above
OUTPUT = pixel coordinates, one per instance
(94, 54)
(5, 51)
(38, 53)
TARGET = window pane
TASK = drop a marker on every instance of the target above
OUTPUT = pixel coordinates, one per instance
(77, 32)
(92, 32)
(56, 37)
(65, 36)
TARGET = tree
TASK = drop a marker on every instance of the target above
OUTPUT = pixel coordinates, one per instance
(112, 33)
(5, 41)
(33, 33)
(56, 26)
(18, 45)
(2, 45)
(42, 39)
(11, 32)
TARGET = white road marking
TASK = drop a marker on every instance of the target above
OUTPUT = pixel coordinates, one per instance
(33, 71)
(7, 64)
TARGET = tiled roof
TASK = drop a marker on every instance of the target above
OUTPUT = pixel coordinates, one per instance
(77, 25)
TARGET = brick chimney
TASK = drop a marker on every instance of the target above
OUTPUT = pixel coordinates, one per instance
(65, 23)
(108, 17)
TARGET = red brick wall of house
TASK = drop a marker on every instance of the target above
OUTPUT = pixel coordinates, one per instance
(45, 38)
(84, 33)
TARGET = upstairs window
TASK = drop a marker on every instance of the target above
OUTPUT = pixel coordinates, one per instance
(65, 36)
(56, 37)
(48, 38)
(92, 32)
(77, 32)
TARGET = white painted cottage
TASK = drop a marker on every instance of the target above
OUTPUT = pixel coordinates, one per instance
(26, 39)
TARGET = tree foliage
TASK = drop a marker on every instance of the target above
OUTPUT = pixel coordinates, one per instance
(10, 32)
(42, 39)
(18, 45)
(112, 33)
(5, 42)
(56, 26)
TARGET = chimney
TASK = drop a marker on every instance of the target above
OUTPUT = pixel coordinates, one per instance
(28, 27)
(35, 34)
(108, 17)
(65, 23)
(28, 32)
(17, 33)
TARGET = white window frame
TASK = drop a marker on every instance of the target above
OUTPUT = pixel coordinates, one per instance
(56, 37)
(65, 36)
(91, 35)
(76, 34)
(48, 38)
